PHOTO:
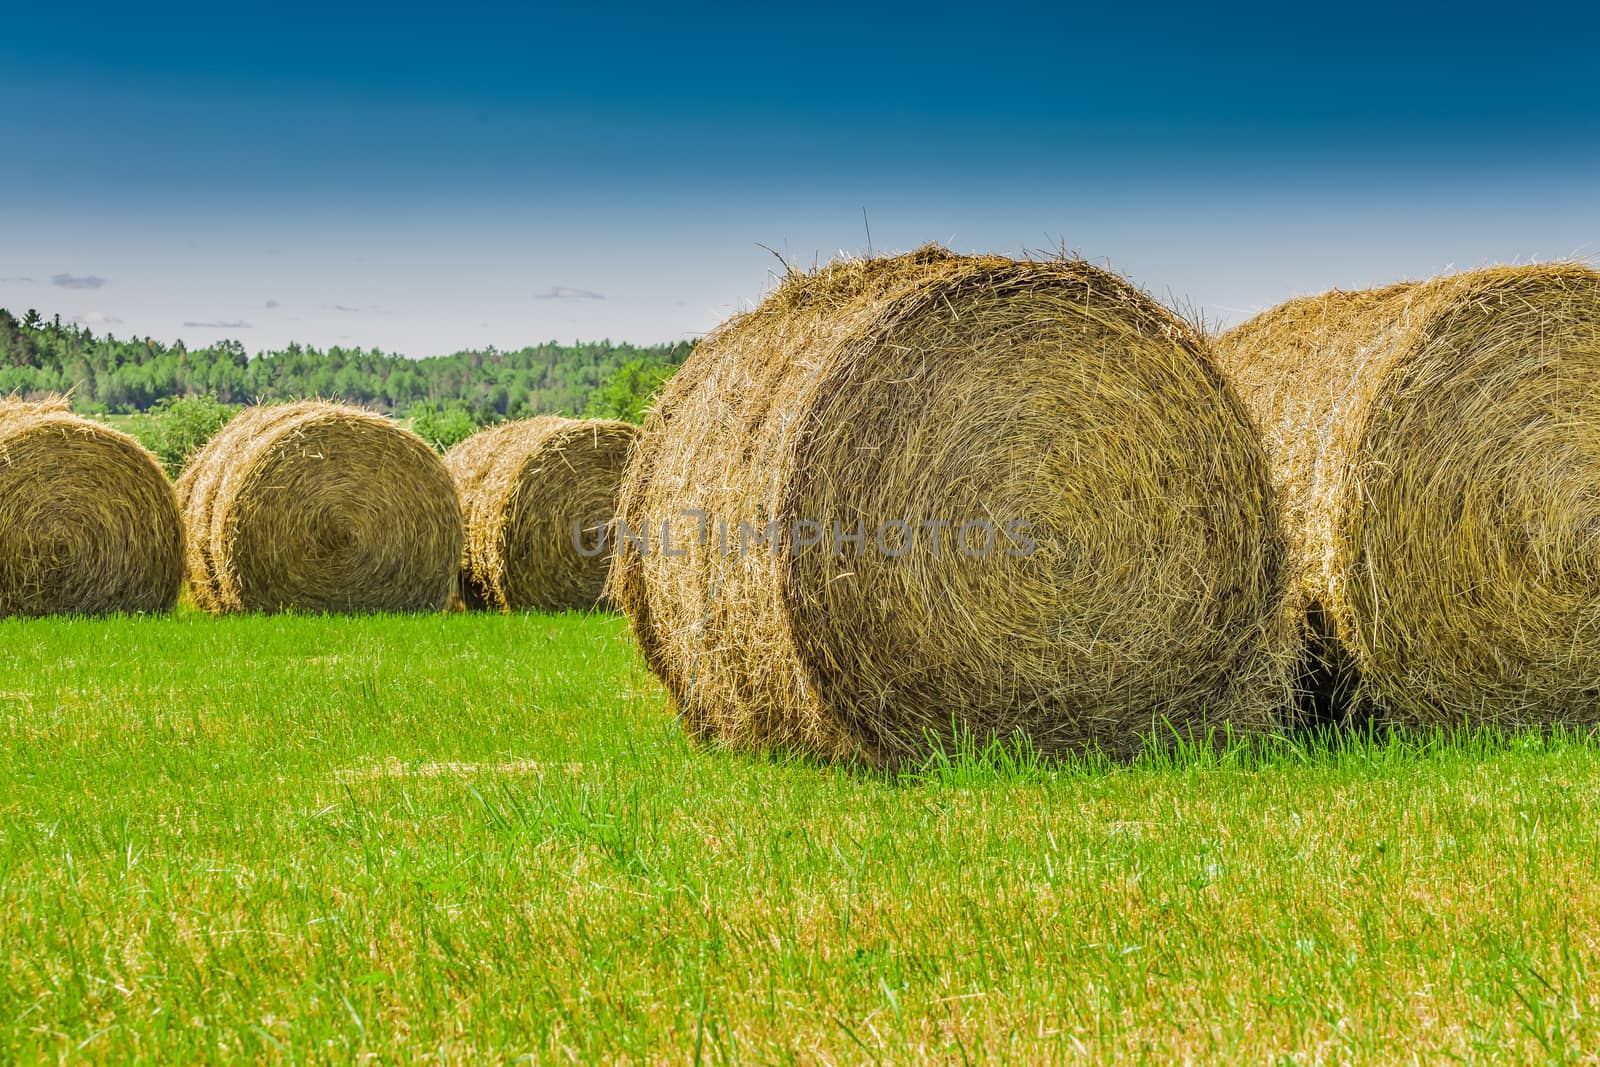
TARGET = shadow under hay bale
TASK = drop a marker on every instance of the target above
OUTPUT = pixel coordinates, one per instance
(88, 520)
(1327, 685)
(523, 486)
(1437, 450)
(921, 398)
(319, 507)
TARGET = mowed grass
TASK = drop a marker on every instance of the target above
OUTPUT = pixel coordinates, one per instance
(469, 838)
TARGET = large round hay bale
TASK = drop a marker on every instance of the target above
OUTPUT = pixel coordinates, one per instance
(197, 486)
(537, 497)
(319, 507)
(1437, 448)
(88, 520)
(1011, 402)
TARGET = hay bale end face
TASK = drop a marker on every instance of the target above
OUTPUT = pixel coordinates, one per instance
(88, 520)
(523, 486)
(319, 507)
(850, 478)
(1437, 450)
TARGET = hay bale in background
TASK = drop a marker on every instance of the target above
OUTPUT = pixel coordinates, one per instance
(932, 388)
(523, 485)
(1437, 450)
(88, 520)
(319, 507)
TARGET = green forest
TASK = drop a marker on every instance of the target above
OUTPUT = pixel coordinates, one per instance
(107, 375)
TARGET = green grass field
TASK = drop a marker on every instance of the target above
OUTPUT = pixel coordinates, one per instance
(469, 838)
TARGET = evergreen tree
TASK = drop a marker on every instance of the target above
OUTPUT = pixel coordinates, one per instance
(124, 376)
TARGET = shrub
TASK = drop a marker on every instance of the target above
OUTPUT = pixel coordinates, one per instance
(629, 392)
(442, 427)
(175, 428)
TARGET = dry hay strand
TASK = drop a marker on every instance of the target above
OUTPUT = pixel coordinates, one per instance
(537, 497)
(319, 507)
(88, 520)
(197, 486)
(1436, 446)
(935, 388)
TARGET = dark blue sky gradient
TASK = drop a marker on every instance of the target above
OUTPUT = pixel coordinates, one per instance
(567, 141)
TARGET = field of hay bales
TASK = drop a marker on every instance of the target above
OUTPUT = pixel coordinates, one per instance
(481, 838)
(1279, 744)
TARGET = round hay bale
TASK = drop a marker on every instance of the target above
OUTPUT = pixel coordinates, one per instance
(1437, 450)
(319, 507)
(537, 497)
(88, 520)
(952, 409)
(197, 489)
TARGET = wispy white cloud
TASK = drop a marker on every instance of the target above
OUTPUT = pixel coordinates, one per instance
(78, 281)
(272, 304)
(217, 324)
(346, 309)
(19, 281)
(566, 292)
(96, 318)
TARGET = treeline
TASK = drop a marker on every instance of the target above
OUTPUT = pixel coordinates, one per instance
(105, 374)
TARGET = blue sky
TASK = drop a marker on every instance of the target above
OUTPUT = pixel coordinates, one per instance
(424, 179)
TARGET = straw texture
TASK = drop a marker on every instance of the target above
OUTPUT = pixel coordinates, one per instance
(933, 388)
(523, 486)
(319, 507)
(88, 520)
(1437, 450)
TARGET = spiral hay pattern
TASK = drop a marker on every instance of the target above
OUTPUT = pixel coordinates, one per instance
(88, 520)
(523, 485)
(1437, 449)
(934, 388)
(319, 507)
